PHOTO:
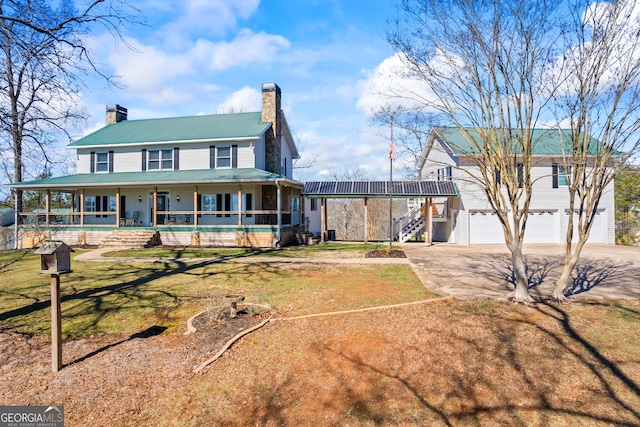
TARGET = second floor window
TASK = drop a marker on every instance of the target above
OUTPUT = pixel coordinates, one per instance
(102, 162)
(224, 157)
(160, 159)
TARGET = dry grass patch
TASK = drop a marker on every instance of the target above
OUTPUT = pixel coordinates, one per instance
(446, 364)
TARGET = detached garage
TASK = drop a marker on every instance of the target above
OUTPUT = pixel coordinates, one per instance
(542, 227)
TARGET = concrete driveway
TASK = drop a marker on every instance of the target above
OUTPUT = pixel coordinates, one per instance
(484, 271)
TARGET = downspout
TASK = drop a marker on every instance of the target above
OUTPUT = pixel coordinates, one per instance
(279, 208)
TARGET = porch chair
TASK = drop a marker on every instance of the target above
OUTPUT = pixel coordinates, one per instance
(133, 220)
(187, 220)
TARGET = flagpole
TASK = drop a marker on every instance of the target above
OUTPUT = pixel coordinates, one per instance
(391, 157)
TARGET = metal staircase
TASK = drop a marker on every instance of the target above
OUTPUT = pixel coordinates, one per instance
(409, 225)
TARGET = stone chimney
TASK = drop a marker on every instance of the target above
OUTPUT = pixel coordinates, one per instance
(271, 109)
(116, 114)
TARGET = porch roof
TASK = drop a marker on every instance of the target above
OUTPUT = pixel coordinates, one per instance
(361, 189)
(137, 179)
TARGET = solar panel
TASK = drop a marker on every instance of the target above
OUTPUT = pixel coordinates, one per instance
(379, 188)
(344, 187)
(327, 187)
(412, 187)
(361, 187)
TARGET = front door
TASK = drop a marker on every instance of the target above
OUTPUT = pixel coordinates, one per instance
(162, 200)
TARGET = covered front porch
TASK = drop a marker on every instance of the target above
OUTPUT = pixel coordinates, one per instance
(232, 211)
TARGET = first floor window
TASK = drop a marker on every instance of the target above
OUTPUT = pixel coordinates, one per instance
(314, 204)
(90, 204)
(209, 203)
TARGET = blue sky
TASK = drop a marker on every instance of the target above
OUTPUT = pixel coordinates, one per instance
(212, 56)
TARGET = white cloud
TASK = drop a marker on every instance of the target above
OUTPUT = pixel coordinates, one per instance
(391, 84)
(245, 49)
(243, 100)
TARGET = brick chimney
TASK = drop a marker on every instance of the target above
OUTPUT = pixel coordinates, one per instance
(116, 114)
(271, 109)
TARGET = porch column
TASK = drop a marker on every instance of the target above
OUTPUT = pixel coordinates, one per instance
(366, 220)
(82, 207)
(323, 220)
(47, 208)
(240, 205)
(155, 207)
(118, 207)
(195, 207)
(429, 219)
(73, 208)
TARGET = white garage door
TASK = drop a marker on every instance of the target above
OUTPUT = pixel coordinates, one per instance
(485, 228)
(598, 229)
(542, 227)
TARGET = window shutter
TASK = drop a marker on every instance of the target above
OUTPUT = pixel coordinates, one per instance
(110, 161)
(284, 173)
(227, 204)
(92, 168)
(554, 174)
(234, 156)
(176, 159)
(98, 209)
(212, 157)
(105, 205)
(219, 204)
(144, 159)
(248, 201)
(123, 209)
(199, 198)
(498, 177)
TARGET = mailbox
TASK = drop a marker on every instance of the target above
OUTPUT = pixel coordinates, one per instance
(55, 257)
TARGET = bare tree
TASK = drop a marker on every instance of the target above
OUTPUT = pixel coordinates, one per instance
(479, 64)
(299, 165)
(44, 59)
(600, 100)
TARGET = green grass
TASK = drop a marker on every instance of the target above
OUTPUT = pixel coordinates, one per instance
(111, 298)
(355, 250)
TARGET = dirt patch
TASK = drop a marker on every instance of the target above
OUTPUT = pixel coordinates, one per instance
(385, 253)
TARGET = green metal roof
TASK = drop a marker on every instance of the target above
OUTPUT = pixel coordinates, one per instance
(545, 142)
(192, 128)
(132, 179)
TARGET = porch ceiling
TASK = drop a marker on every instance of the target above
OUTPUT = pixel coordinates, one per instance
(371, 189)
(152, 178)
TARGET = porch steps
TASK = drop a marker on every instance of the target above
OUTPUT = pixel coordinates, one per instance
(130, 238)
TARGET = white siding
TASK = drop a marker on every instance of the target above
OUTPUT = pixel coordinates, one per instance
(545, 199)
(285, 152)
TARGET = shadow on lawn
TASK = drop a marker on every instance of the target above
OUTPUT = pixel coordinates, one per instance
(587, 274)
(497, 378)
(147, 333)
(132, 291)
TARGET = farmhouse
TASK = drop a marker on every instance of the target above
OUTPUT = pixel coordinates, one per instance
(447, 156)
(223, 180)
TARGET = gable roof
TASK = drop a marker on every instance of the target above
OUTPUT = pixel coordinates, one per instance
(545, 142)
(175, 129)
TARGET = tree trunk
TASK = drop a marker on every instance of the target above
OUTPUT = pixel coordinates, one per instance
(521, 292)
(563, 283)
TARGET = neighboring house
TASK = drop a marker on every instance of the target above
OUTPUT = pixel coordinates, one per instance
(223, 179)
(469, 218)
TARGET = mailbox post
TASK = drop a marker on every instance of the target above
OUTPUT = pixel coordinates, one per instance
(55, 259)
